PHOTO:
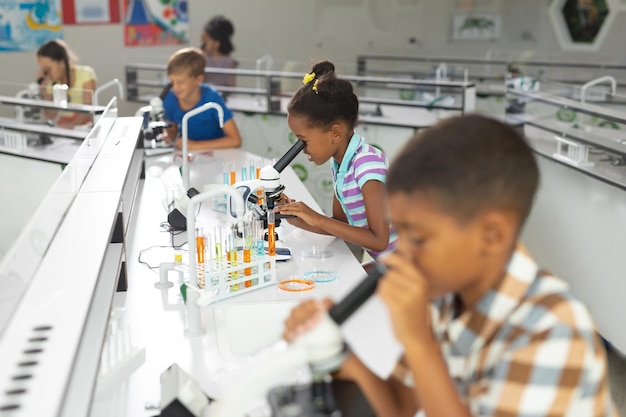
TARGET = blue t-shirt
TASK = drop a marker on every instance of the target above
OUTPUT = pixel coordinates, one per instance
(202, 126)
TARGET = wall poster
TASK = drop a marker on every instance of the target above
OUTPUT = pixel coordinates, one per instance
(86, 12)
(25, 25)
(476, 26)
(155, 22)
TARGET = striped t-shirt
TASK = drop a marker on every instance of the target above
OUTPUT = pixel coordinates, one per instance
(361, 163)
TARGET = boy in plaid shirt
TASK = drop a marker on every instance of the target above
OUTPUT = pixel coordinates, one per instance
(484, 331)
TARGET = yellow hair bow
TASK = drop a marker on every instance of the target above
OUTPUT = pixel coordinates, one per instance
(308, 78)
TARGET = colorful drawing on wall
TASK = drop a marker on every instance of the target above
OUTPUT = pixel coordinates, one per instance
(584, 18)
(25, 25)
(156, 22)
(476, 26)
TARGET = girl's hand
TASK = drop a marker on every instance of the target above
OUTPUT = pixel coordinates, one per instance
(301, 211)
(304, 317)
(405, 291)
(283, 200)
(42, 76)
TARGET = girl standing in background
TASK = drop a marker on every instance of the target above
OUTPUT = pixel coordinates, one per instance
(217, 47)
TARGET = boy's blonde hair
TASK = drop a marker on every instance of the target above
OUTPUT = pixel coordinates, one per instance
(191, 60)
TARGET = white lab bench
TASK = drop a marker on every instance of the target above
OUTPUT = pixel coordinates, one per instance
(158, 317)
(59, 277)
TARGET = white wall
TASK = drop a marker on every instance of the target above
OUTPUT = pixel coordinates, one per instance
(299, 32)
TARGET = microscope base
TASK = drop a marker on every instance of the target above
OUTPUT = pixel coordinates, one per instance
(337, 398)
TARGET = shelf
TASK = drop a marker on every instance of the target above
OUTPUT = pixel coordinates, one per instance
(567, 103)
(590, 138)
(270, 87)
(13, 124)
(44, 104)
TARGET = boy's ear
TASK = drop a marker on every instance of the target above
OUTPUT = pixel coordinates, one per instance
(498, 231)
(200, 79)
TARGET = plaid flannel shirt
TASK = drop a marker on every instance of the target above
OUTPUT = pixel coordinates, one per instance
(527, 348)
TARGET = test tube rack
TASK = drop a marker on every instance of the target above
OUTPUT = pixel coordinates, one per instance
(572, 152)
(15, 141)
(226, 280)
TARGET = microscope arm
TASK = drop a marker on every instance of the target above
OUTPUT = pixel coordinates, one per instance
(269, 177)
(324, 344)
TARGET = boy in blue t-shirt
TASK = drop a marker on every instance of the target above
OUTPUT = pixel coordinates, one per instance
(185, 69)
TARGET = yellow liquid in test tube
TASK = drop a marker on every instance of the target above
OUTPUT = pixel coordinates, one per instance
(232, 257)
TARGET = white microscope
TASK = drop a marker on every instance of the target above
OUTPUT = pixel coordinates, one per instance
(322, 348)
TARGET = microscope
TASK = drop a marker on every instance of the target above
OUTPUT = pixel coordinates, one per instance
(29, 114)
(324, 351)
(269, 180)
(155, 122)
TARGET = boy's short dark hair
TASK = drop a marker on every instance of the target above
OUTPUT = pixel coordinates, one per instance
(468, 164)
(191, 60)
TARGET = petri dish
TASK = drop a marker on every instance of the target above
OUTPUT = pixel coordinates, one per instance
(318, 264)
(296, 285)
(320, 275)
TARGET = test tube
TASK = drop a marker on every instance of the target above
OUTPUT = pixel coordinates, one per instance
(257, 168)
(232, 257)
(200, 247)
(218, 253)
(258, 238)
(247, 249)
(271, 233)
(244, 171)
(178, 260)
(259, 247)
(252, 169)
(233, 173)
(260, 193)
(226, 173)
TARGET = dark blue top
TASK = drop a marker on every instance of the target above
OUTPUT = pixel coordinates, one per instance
(203, 126)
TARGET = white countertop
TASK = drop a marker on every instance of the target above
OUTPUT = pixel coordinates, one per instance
(157, 316)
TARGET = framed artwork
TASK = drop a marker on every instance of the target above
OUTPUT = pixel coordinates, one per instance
(582, 24)
(25, 25)
(85, 12)
(155, 22)
(476, 26)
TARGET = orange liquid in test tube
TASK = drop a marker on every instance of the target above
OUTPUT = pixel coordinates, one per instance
(247, 271)
(233, 177)
(200, 249)
(271, 240)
